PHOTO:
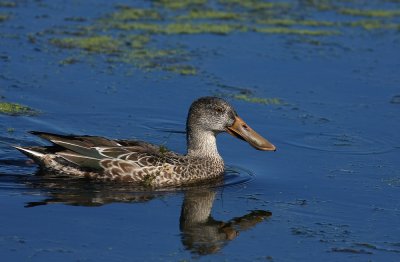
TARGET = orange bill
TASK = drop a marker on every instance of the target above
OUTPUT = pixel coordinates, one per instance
(242, 131)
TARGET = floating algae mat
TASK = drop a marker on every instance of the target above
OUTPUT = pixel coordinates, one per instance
(3, 17)
(15, 109)
(136, 34)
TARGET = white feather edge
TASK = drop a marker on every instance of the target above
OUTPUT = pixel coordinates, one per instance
(29, 151)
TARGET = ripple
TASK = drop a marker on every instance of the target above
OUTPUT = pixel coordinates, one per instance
(339, 143)
(84, 192)
(235, 176)
(162, 125)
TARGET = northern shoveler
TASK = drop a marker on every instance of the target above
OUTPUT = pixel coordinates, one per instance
(145, 163)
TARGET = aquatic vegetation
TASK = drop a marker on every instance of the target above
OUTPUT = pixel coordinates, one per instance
(181, 69)
(75, 19)
(178, 28)
(98, 44)
(163, 149)
(321, 5)
(137, 41)
(395, 181)
(150, 58)
(244, 94)
(148, 180)
(8, 4)
(293, 31)
(69, 61)
(292, 22)
(184, 28)
(4, 17)
(254, 4)
(210, 14)
(130, 13)
(131, 34)
(257, 100)
(181, 4)
(372, 24)
(144, 27)
(15, 109)
(154, 53)
(395, 99)
(370, 13)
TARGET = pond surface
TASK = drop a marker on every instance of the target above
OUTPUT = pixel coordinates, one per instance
(319, 79)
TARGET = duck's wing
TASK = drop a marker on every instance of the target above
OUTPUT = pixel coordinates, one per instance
(141, 146)
(98, 153)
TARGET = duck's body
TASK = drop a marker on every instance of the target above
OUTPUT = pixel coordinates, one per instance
(145, 163)
(121, 160)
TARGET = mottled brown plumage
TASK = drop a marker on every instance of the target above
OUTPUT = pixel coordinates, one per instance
(145, 163)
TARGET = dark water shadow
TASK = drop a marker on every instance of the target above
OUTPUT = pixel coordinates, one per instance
(201, 234)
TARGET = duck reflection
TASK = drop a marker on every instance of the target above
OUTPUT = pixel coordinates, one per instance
(200, 232)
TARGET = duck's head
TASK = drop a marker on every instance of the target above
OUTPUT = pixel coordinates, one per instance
(212, 114)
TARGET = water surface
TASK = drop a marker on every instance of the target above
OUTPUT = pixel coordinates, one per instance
(319, 80)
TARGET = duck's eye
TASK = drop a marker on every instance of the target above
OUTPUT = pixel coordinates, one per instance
(219, 109)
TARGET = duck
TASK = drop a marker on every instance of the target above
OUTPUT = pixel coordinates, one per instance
(135, 161)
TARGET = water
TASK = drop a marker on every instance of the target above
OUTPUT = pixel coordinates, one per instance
(330, 192)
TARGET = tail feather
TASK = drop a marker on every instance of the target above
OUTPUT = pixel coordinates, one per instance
(80, 160)
(31, 152)
(83, 151)
(83, 145)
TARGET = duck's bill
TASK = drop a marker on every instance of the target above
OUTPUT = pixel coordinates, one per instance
(242, 131)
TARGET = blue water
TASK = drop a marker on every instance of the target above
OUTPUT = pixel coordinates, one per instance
(330, 192)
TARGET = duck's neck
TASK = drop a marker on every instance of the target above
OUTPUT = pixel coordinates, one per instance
(202, 144)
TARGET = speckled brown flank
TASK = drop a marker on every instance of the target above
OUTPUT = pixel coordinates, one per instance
(127, 178)
(106, 163)
(126, 167)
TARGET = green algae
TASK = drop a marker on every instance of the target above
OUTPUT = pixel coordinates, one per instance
(205, 28)
(154, 53)
(292, 22)
(254, 4)
(4, 17)
(210, 14)
(69, 61)
(321, 5)
(129, 49)
(169, 60)
(15, 109)
(293, 31)
(185, 70)
(372, 24)
(181, 4)
(149, 28)
(75, 19)
(163, 149)
(132, 35)
(137, 41)
(370, 13)
(178, 28)
(8, 4)
(258, 100)
(148, 180)
(130, 13)
(96, 44)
